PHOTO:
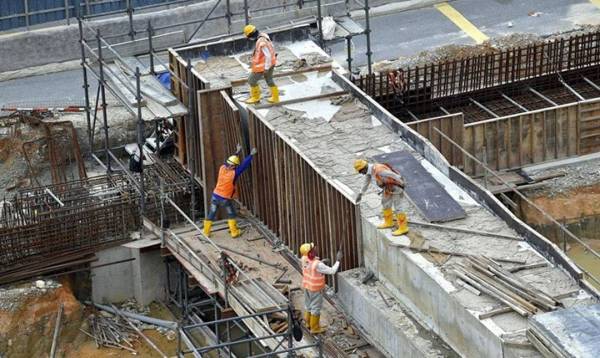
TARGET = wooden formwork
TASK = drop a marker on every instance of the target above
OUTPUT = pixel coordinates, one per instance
(297, 201)
(451, 125)
(514, 141)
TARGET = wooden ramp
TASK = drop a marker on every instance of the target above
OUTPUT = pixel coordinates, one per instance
(430, 198)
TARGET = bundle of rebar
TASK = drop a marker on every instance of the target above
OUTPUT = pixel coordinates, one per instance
(112, 332)
(489, 277)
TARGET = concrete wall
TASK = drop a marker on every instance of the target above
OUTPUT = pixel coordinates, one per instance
(143, 278)
(61, 43)
(409, 276)
(388, 328)
(113, 283)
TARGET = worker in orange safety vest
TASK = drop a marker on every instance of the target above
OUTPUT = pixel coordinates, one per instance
(263, 64)
(313, 283)
(392, 183)
(224, 191)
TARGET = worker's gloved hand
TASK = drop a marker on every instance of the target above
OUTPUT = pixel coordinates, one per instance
(253, 151)
(238, 148)
(359, 197)
(339, 255)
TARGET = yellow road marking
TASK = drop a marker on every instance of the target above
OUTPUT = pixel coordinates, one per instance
(595, 2)
(464, 24)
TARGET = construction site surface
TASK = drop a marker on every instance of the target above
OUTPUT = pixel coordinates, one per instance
(497, 147)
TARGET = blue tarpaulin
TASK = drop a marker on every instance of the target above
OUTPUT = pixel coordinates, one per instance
(165, 79)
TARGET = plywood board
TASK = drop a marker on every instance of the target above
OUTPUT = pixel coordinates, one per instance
(430, 198)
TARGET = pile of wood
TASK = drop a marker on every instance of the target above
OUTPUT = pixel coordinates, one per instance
(487, 276)
(278, 322)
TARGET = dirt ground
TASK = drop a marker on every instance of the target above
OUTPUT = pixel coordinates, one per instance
(28, 318)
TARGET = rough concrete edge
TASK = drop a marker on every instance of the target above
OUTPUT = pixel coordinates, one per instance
(484, 197)
(364, 332)
(395, 7)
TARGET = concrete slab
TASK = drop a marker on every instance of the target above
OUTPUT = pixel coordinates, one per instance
(574, 332)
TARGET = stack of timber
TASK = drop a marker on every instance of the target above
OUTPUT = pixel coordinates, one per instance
(489, 277)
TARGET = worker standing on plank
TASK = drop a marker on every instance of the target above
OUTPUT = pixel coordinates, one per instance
(263, 64)
(224, 191)
(313, 282)
(392, 183)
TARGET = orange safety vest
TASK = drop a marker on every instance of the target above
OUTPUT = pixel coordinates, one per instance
(258, 57)
(312, 279)
(225, 187)
(386, 182)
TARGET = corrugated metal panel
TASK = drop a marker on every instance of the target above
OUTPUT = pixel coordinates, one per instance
(12, 12)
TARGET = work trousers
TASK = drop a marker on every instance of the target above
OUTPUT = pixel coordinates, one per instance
(267, 75)
(313, 302)
(216, 203)
(390, 199)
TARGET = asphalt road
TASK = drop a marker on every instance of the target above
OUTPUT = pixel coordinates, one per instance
(393, 35)
(410, 32)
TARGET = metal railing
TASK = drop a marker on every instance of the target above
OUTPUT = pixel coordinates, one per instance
(565, 233)
(15, 14)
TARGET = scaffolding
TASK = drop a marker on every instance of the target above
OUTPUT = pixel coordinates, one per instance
(226, 276)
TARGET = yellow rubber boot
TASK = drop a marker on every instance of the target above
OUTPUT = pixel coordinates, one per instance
(307, 319)
(254, 95)
(388, 219)
(274, 95)
(402, 225)
(233, 229)
(315, 327)
(207, 227)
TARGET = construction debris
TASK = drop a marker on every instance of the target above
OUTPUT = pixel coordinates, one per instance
(111, 332)
(487, 276)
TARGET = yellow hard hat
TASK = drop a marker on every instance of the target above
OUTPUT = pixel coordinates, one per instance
(248, 29)
(360, 164)
(233, 160)
(305, 248)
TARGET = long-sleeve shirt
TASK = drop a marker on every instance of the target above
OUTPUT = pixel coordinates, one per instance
(245, 164)
(326, 270)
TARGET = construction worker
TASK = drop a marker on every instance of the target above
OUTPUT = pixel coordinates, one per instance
(313, 283)
(225, 189)
(263, 63)
(392, 183)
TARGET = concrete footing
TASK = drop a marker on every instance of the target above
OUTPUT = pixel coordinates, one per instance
(143, 278)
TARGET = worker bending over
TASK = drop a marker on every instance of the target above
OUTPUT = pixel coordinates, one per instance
(392, 183)
(313, 282)
(263, 63)
(224, 191)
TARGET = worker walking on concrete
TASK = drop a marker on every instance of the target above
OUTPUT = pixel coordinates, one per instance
(313, 283)
(224, 191)
(392, 183)
(263, 64)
